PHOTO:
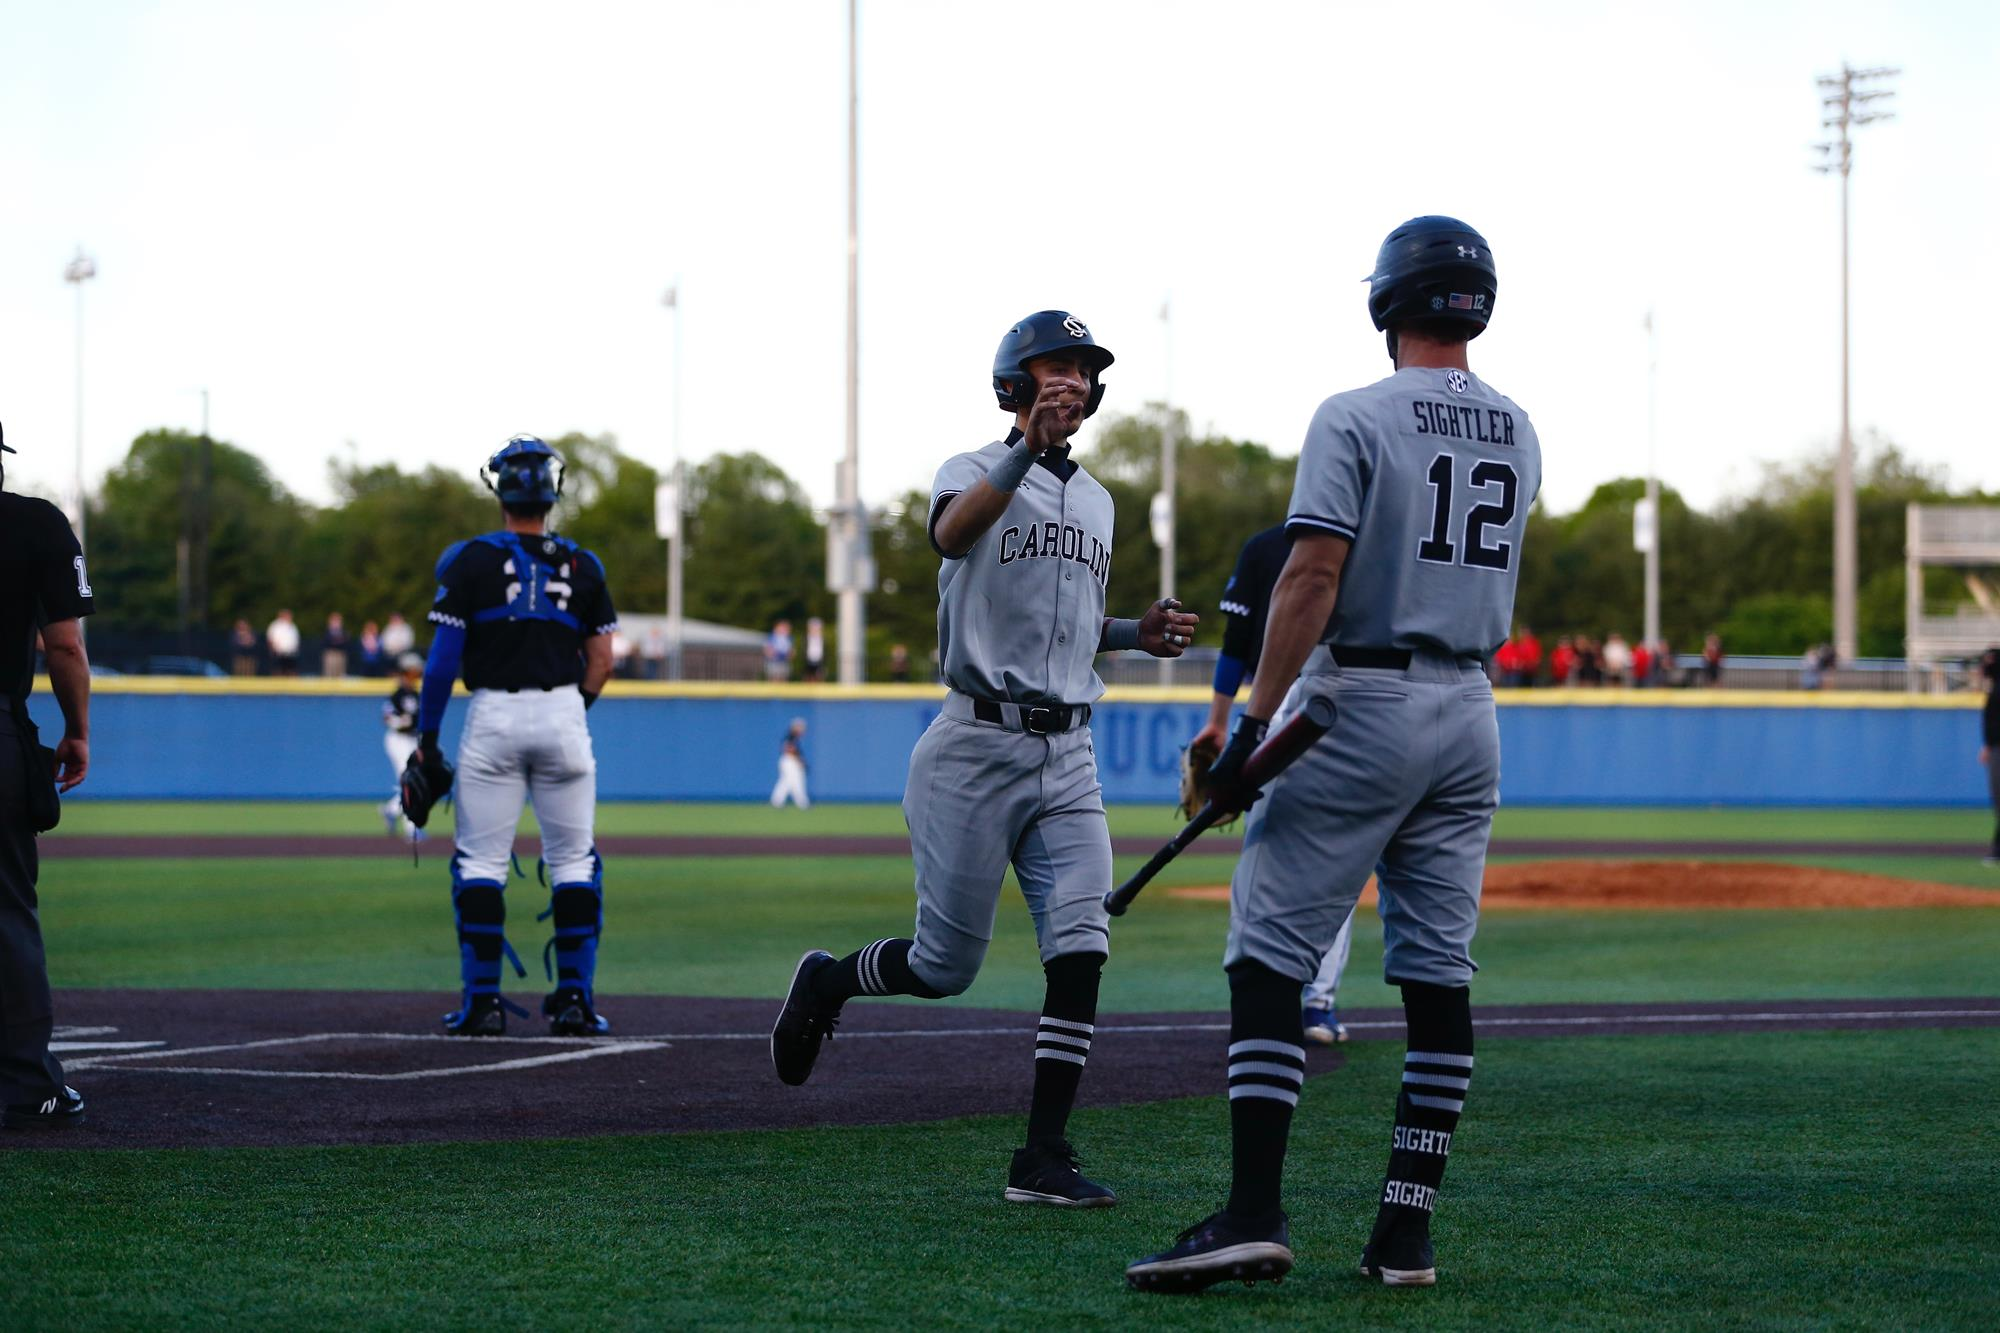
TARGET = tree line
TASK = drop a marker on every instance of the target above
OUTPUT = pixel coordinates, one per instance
(1756, 569)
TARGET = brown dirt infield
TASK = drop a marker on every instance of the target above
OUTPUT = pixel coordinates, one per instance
(217, 1068)
(1679, 886)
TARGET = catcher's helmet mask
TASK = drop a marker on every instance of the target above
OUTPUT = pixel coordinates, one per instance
(1437, 271)
(1041, 334)
(524, 472)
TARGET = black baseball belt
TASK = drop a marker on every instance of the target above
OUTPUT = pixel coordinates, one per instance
(1036, 719)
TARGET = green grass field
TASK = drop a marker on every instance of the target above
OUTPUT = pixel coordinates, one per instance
(1738, 1181)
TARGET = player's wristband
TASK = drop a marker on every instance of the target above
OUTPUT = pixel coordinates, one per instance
(589, 698)
(1118, 635)
(1007, 474)
(1228, 675)
(428, 742)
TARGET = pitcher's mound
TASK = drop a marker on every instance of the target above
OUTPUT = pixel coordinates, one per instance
(1685, 885)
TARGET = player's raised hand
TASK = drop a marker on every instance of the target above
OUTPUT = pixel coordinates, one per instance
(1051, 421)
(1166, 630)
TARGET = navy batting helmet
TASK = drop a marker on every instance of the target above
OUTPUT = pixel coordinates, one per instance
(1039, 334)
(1433, 268)
(524, 472)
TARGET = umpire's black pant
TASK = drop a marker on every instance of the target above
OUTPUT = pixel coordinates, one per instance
(28, 1073)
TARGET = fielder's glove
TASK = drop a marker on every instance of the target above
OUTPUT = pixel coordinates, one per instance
(426, 781)
(1196, 760)
(1226, 787)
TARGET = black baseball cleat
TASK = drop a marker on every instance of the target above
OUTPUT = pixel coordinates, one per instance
(571, 1014)
(802, 1024)
(60, 1110)
(1048, 1173)
(1217, 1249)
(1401, 1258)
(482, 1016)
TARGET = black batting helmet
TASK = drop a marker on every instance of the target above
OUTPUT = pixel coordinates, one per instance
(1437, 269)
(1039, 334)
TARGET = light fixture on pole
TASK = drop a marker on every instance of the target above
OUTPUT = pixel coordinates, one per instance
(1849, 99)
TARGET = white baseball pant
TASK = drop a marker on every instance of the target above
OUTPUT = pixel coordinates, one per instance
(530, 747)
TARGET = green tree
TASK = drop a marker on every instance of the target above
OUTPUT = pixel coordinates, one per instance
(755, 551)
(608, 506)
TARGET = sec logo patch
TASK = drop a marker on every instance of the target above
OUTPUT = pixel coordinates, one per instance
(1456, 381)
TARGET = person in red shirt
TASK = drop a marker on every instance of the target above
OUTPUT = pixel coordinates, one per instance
(1527, 655)
(1563, 661)
(1506, 663)
(1642, 663)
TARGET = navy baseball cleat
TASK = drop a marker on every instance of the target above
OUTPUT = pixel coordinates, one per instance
(571, 1014)
(1048, 1173)
(482, 1016)
(60, 1110)
(1217, 1249)
(802, 1024)
(1323, 1026)
(1401, 1258)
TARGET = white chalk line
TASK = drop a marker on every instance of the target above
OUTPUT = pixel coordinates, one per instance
(64, 1047)
(585, 1048)
(498, 1066)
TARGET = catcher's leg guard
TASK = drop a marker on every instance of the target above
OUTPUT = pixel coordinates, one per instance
(481, 912)
(578, 912)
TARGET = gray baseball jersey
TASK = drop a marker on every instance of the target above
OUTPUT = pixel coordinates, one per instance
(1429, 474)
(1019, 617)
(1020, 613)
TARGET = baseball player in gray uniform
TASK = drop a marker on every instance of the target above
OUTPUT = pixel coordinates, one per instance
(1006, 772)
(1409, 509)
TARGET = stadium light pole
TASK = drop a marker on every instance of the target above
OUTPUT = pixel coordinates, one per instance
(77, 272)
(676, 624)
(1849, 99)
(850, 571)
(1163, 502)
(1652, 617)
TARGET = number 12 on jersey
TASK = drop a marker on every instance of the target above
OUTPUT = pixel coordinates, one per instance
(1472, 549)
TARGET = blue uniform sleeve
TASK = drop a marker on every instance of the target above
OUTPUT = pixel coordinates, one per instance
(440, 674)
(1332, 479)
(1228, 675)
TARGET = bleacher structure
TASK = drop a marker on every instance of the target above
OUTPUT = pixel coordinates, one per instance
(1964, 537)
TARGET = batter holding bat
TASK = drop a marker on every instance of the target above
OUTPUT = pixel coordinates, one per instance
(1407, 512)
(1007, 772)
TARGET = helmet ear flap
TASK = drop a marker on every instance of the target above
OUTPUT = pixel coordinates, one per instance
(1096, 394)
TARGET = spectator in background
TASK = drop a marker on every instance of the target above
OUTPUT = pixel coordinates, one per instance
(624, 662)
(1642, 664)
(333, 648)
(1562, 662)
(654, 650)
(815, 649)
(1504, 671)
(1617, 659)
(242, 650)
(397, 637)
(1589, 662)
(1809, 678)
(899, 663)
(1711, 659)
(281, 636)
(370, 644)
(1989, 742)
(1528, 655)
(778, 651)
(1666, 672)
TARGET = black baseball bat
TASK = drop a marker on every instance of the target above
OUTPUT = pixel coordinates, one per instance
(1266, 762)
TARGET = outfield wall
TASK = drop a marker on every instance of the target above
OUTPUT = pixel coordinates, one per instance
(239, 740)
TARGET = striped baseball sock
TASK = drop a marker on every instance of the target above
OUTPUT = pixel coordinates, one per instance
(881, 968)
(1437, 1071)
(1062, 1042)
(1267, 1067)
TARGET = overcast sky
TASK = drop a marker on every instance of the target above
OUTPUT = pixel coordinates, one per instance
(411, 230)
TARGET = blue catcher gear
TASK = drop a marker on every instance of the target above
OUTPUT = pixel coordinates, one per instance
(480, 911)
(1039, 334)
(578, 910)
(524, 472)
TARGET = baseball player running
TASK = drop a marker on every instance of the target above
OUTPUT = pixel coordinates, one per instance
(529, 616)
(1407, 512)
(399, 715)
(1246, 603)
(1006, 773)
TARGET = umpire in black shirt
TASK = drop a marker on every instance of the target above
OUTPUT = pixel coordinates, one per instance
(43, 587)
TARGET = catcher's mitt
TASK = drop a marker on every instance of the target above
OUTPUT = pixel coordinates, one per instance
(426, 781)
(1196, 760)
